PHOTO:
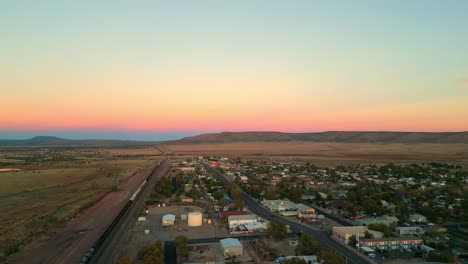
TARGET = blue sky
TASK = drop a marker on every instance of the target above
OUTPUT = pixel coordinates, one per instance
(181, 66)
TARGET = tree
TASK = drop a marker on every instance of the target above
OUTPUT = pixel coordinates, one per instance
(331, 256)
(295, 194)
(193, 193)
(387, 231)
(234, 191)
(307, 245)
(239, 204)
(181, 246)
(352, 241)
(218, 195)
(270, 192)
(124, 260)
(295, 260)
(152, 253)
(277, 230)
(367, 234)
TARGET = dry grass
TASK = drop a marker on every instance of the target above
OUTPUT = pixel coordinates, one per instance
(330, 154)
(47, 193)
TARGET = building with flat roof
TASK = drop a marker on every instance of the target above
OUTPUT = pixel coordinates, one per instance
(343, 233)
(231, 247)
(234, 220)
(391, 243)
(386, 220)
(409, 230)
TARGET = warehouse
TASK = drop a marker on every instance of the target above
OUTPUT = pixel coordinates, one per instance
(231, 247)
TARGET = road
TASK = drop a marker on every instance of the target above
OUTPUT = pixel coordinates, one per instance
(324, 239)
(111, 248)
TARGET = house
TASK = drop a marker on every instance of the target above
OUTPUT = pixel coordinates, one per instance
(168, 220)
(186, 200)
(244, 179)
(409, 230)
(392, 243)
(343, 233)
(231, 247)
(417, 218)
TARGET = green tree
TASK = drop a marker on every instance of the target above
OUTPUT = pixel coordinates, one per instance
(270, 192)
(194, 193)
(239, 204)
(387, 231)
(277, 230)
(331, 256)
(308, 245)
(218, 195)
(181, 246)
(352, 241)
(152, 253)
(295, 194)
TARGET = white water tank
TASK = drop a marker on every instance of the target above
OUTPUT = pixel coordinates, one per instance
(195, 219)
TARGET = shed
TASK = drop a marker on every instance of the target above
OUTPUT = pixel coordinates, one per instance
(231, 247)
(168, 220)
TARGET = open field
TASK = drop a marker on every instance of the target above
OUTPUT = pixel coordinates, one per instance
(55, 185)
(329, 154)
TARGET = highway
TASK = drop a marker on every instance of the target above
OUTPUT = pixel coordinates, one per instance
(322, 237)
(112, 246)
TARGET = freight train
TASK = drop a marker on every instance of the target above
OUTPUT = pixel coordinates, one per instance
(90, 254)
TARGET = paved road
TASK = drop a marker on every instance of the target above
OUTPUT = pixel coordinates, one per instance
(111, 248)
(324, 239)
(327, 215)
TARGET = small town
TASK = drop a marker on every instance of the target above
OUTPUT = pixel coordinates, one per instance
(223, 210)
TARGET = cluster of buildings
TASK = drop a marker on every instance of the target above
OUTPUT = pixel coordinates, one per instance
(287, 208)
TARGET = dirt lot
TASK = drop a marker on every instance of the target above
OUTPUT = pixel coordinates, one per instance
(157, 232)
(55, 185)
(329, 154)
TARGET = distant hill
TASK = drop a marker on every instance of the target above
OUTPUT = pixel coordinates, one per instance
(332, 136)
(56, 141)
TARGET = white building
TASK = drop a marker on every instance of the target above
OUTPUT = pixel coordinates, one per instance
(417, 218)
(409, 230)
(168, 220)
(235, 220)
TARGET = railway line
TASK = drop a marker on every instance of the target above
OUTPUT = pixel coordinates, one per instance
(104, 249)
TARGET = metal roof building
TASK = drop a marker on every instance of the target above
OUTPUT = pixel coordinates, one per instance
(231, 247)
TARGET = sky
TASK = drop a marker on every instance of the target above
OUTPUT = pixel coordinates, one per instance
(134, 69)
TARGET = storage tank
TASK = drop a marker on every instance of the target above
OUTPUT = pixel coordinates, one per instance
(195, 219)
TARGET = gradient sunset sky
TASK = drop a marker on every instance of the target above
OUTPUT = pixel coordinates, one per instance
(121, 68)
